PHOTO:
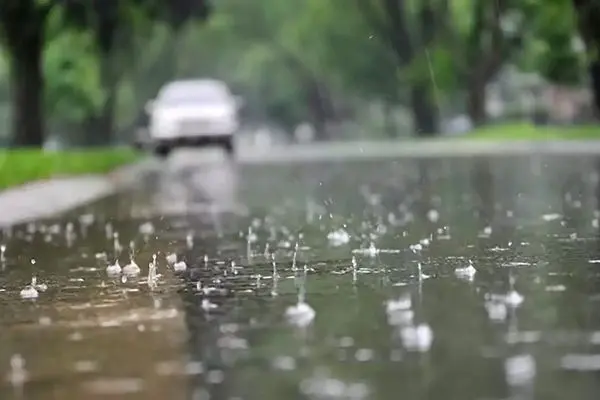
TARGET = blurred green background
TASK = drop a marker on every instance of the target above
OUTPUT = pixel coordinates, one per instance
(345, 68)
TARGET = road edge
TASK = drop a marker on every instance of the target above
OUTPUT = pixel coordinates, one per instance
(421, 148)
(22, 204)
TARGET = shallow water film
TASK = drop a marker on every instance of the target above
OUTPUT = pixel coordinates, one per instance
(464, 278)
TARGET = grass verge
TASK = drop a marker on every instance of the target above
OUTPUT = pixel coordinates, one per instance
(19, 166)
(526, 131)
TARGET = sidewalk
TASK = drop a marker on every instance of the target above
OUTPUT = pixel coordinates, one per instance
(47, 198)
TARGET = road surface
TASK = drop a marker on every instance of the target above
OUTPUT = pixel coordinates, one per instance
(315, 277)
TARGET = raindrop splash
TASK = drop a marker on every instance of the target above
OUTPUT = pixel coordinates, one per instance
(114, 269)
(467, 272)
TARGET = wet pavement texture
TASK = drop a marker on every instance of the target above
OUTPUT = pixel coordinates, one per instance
(458, 278)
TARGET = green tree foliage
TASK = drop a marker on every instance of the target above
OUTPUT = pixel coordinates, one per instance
(360, 61)
(552, 40)
(99, 61)
(112, 25)
(22, 30)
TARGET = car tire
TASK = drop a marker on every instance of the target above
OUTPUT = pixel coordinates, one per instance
(162, 151)
(229, 147)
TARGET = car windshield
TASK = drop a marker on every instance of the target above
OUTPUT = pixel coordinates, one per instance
(193, 93)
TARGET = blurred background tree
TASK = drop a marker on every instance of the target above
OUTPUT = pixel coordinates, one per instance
(588, 22)
(82, 70)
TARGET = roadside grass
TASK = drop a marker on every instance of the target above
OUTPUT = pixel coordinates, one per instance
(526, 131)
(19, 166)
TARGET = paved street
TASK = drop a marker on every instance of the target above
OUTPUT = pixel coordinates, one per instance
(20, 204)
(425, 148)
(315, 277)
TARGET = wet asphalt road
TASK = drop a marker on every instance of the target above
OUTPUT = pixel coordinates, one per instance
(448, 278)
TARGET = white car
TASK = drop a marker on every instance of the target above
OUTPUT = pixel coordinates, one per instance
(193, 113)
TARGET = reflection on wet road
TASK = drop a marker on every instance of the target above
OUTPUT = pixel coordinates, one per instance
(444, 279)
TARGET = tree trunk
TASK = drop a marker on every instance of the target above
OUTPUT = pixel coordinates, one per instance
(476, 103)
(595, 83)
(109, 79)
(99, 129)
(318, 100)
(425, 116)
(588, 21)
(317, 110)
(27, 90)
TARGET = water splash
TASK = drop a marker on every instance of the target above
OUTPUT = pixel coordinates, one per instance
(400, 304)
(420, 273)
(30, 291)
(152, 280)
(171, 258)
(371, 251)
(274, 265)
(274, 289)
(41, 287)
(207, 305)
(301, 314)
(294, 257)
(513, 298)
(339, 237)
(189, 240)
(180, 266)
(417, 338)
(114, 269)
(416, 248)
(467, 273)
(520, 370)
(131, 269)
(250, 238)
